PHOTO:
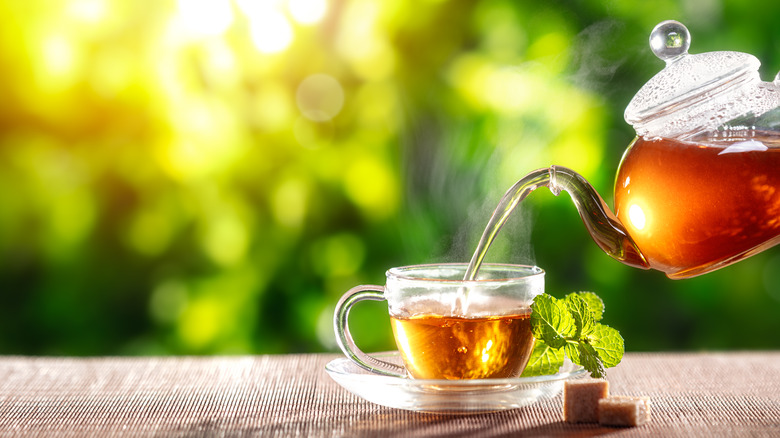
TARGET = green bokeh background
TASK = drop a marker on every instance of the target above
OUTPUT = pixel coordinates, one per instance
(208, 177)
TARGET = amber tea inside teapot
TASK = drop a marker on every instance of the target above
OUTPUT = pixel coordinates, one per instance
(699, 187)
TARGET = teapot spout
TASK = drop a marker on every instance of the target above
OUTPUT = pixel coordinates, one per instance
(604, 227)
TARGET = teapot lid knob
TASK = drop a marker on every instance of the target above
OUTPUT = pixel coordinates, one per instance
(669, 40)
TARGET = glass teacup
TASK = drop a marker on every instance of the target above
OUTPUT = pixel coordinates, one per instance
(449, 328)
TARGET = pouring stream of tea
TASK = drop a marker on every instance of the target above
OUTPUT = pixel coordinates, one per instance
(604, 227)
(508, 203)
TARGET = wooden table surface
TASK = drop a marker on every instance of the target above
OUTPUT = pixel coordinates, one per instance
(692, 394)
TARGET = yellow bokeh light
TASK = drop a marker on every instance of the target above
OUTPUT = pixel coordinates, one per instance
(211, 309)
(320, 97)
(270, 31)
(272, 108)
(111, 73)
(150, 231)
(469, 74)
(338, 255)
(309, 134)
(255, 8)
(88, 11)
(220, 64)
(371, 185)
(201, 18)
(70, 215)
(226, 239)
(307, 11)
(550, 49)
(199, 323)
(362, 43)
(60, 62)
(289, 201)
(206, 139)
(511, 91)
(577, 148)
(379, 107)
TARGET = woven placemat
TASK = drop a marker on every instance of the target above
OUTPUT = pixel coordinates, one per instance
(693, 394)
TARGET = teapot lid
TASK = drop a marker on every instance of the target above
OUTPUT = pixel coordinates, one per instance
(696, 93)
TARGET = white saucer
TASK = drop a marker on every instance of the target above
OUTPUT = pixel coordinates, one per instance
(448, 396)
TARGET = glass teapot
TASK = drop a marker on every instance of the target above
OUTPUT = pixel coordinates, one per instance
(699, 187)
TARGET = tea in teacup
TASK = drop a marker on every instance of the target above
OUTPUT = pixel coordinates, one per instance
(446, 327)
(447, 347)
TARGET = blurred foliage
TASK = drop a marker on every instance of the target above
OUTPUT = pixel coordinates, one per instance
(209, 176)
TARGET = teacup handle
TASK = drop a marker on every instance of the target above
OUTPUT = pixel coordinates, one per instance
(344, 338)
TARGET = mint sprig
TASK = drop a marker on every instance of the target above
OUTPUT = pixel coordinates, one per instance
(570, 327)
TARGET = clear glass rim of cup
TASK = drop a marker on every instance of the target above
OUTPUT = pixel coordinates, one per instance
(521, 273)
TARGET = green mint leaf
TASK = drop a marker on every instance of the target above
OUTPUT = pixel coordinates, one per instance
(544, 360)
(608, 344)
(573, 352)
(569, 327)
(580, 312)
(595, 304)
(588, 357)
(551, 321)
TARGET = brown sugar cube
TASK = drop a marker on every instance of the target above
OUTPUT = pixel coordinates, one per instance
(621, 410)
(581, 399)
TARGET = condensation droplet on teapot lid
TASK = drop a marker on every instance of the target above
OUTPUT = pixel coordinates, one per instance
(695, 92)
